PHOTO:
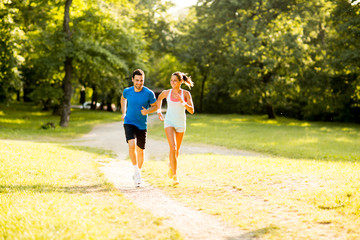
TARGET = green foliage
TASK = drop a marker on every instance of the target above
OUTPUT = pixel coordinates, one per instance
(152, 18)
(345, 58)
(47, 95)
(10, 58)
(294, 58)
(161, 72)
(265, 56)
(104, 44)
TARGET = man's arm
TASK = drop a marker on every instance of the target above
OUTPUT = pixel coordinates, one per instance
(151, 109)
(123, 107)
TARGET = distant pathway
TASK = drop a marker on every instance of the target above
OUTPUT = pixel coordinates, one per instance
(191, 223)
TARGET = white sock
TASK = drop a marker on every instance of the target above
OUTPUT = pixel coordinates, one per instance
(136, 169)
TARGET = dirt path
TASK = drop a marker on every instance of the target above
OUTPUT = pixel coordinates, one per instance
(191, 223)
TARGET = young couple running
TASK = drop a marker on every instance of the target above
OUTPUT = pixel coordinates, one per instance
(138, 101)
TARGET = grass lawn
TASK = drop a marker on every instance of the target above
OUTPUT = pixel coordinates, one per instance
(24, 121)
(310, 181)
(55, 191)
(282, 136)
(307, 187)
(288, 198)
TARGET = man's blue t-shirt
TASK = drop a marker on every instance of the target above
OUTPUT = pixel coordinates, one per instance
(135, 102)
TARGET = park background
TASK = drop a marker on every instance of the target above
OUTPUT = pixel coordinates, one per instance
(279, 78)
(297, 59)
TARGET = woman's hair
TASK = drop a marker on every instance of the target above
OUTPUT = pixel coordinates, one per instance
(182, 76)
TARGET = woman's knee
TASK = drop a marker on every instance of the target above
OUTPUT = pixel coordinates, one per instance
(173, 147)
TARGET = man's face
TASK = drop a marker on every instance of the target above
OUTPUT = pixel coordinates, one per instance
(138, 82)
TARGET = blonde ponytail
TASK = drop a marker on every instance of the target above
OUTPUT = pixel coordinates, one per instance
(183, 76)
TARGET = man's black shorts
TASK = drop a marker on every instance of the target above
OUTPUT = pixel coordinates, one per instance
(132, 132)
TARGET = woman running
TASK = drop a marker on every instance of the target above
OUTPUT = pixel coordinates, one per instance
(175, 119)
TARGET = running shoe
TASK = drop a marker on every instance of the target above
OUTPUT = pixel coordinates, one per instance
(137, 179)
(170, 174)
(175, 180)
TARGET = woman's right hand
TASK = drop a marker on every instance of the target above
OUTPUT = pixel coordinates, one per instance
(161, 117)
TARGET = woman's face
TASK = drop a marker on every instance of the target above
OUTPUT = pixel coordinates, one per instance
(175, 82)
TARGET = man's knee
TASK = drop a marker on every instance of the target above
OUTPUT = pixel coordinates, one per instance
(139, 150)
(131, 144)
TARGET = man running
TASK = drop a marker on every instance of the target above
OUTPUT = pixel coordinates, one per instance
(136, 103)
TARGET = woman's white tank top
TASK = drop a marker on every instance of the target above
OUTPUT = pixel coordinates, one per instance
(175, 113)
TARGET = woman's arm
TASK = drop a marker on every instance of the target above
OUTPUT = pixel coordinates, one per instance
(188, 104)
(162, 95)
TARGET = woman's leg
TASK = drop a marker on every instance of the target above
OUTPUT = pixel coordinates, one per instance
(171, 137)
(179, 138)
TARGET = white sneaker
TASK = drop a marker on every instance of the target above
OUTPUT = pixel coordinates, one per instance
(175, 180)
(137, 179)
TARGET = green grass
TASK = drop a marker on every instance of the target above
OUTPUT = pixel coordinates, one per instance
(282, 137)
(312, 175)
(311, 172)
(56, 191)
(264, 194)
(53, 191)
(24, 121)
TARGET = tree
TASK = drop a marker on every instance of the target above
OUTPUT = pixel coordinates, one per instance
(344, 54)
(197, 50)
(102, 47)
(67, 87)
(107, 47)
(10, 58)
(256, 51)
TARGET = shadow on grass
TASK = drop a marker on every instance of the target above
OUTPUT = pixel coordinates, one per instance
(41, 188)
(95, 150)
(256, 234)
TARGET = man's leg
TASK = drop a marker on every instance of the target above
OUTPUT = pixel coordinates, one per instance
(132, 153)
(140, 146)
(133, 157)
(140, 156)
(130, 132)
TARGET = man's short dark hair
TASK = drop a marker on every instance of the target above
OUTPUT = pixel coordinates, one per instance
(138, 72)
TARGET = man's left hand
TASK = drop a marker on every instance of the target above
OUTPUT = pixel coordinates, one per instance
(144, 111)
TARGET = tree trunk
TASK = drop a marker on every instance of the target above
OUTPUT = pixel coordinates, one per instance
(82, 95)
(118, 103)
(18, 93)
(270, 111)
(67, 88)
(202, 91)
(269, 108)
(109, 100)
(26, 91)
(94, 98)
(56, 110)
